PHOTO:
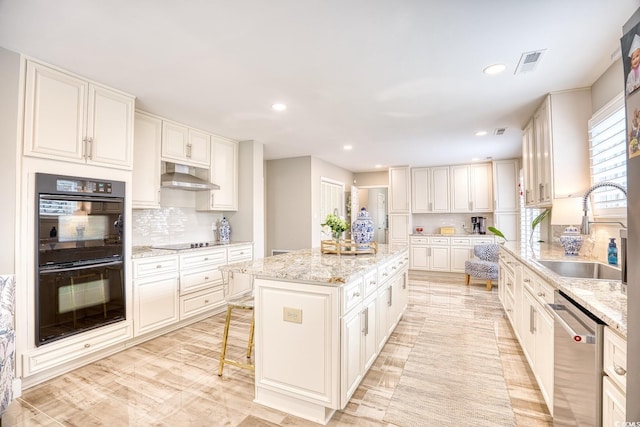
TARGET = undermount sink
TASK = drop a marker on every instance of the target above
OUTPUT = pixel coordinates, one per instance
(583, 269)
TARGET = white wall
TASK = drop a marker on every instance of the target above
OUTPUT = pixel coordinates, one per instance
(9, 107)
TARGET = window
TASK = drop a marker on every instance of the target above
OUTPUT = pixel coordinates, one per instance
(331, 198)
(608, 158)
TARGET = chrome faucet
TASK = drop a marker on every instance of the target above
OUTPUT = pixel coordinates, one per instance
(584, 227)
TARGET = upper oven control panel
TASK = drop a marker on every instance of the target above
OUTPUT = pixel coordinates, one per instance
(83, 186)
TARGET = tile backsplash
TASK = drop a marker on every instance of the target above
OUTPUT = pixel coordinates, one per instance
(172, 225)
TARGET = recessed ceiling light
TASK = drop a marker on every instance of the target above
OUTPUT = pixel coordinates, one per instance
(279, 107)
(347, 148)
(378, 166)
(475, 159)
(481, 133)
(494, 69)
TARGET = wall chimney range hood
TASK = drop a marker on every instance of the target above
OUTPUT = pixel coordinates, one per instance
(178, 177)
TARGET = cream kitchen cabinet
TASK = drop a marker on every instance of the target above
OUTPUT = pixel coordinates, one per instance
(506, 193)
(184, 145)
(155, 293)
(201, 281)
(613, 404)
(69, 118)
(471, 188)
(614, 385)
(557, 132)
(399, 190)
(430, 253)
(146, 161)
(430, 190)
(223, 172)
(399, 229)
(462, 250)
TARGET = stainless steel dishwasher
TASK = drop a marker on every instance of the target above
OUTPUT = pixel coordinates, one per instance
(577, 390)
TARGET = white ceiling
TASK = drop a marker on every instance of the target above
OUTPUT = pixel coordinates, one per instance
(399, 80)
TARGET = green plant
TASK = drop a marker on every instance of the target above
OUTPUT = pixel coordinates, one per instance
(496, 232)
(336, 224)
(537, 220)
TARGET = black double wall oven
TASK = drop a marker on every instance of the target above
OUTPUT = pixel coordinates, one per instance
(79, 255)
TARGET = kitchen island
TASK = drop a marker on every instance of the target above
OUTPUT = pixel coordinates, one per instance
(320, 322)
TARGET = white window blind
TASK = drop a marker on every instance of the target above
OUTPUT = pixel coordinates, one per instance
(608, 157)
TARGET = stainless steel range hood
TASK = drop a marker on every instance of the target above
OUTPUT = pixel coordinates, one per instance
(178, 176)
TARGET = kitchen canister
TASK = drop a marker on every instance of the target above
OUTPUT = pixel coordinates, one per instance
(362, 229)
(571, 241)
(224, 231)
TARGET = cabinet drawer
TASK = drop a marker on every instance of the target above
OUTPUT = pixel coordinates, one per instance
(201, 258)
(155, 265)
(370, 283)
(240, 253)
(461, 241)
(482, 240)
(615, 358)
(419, 240)
(201, 302)
(351, 295)
(384, 272)
(66, 350)
(439, 241)
(194, 280)
(544, 292)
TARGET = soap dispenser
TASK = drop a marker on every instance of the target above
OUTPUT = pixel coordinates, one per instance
(612, 253)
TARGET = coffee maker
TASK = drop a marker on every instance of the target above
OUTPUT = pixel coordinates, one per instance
(479, 224)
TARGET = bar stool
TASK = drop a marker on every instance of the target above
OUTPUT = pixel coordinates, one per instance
(241, 300)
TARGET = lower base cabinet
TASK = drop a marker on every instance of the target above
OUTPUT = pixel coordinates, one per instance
(613, 404)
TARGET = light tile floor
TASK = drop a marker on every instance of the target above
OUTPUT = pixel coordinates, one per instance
(172, 380)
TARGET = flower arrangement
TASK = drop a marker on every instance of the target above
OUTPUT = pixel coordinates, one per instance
(336, 224)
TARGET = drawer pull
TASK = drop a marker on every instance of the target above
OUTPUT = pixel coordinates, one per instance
(526, 280)
(356, 294)
(206, 301)
(206, 277)
(87, 345)
(541, 294)
(619, 370)
(508, 283)
(159, 266)
(373, 282)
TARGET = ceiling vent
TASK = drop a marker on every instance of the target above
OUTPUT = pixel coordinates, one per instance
(499, 131)
(529, 61)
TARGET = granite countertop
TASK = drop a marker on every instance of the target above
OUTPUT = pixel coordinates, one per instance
(603, 298)
(149, 251)
(313, 267)
(452, 235)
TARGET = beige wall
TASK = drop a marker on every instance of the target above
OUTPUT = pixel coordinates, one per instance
(288, 204)
(608, 85)
(371, 179)
(9, 107)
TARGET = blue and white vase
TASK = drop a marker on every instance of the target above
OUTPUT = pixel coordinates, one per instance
(571, 241)
(362, 229)
(224, 231)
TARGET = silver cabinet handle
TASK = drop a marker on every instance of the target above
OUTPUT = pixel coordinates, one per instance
(365, 313)
(430, 206)
(206, 277)
(206, 301)
(390, 300)
(356, 294)
(619, 370)
(541, 294)
(90, 148)
(532, 319)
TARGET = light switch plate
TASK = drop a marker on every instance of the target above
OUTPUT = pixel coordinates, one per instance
(293, 315)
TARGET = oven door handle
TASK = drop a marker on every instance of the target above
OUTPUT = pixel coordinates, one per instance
(557, 310)
(81, 267)
(79, 198)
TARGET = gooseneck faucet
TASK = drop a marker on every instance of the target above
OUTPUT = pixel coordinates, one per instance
(584, 228)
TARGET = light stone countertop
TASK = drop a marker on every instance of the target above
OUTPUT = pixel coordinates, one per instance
(313, 267)
(603, 298)
(148, 251)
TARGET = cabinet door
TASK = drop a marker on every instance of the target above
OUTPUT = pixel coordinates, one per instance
(528, 328)
(199, 148)
(529, 164)
(613, 404)
(174, 142)
(544, 353)
(55, 114)
(383, 307)
(542, 135)
(439, 189)
(155, 304)
(420, 200)
(439, 258)
(398, 228)
(399, 182)
(507, 223)
(352, 342)
(370, 349)
(146, 162)
(224, 172)
(505, 185)
(481, 187)
(459, 254)
(419, 257)
(110, 128)
(460, 189)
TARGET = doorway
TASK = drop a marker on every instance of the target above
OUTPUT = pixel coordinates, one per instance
(374, 199)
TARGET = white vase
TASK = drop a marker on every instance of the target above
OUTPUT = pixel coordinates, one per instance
(362, 229)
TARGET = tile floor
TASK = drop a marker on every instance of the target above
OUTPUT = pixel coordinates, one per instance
(172, 380)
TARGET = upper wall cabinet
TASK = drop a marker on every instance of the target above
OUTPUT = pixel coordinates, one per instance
(68, 118)
(555, 148)
(223, 172)
(399, 190)
(505, 185)
(471, 188)
(430, 190)
(184, 145)
(146, 162)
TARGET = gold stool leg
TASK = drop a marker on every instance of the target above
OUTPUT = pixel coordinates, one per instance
(489, 284)
(250, 346)
(467, 280)
(225, 336)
